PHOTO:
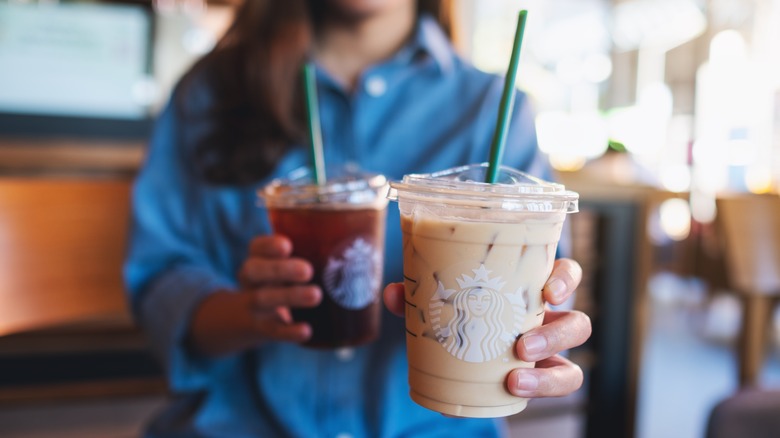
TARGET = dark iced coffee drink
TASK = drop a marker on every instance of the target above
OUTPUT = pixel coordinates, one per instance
(339, 228)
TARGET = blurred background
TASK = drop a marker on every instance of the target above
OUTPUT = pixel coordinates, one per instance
(663, 114)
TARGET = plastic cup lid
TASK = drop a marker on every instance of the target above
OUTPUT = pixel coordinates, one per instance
(465, 187)
(345, 185)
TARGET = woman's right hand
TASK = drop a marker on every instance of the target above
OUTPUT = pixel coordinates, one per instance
(271, 282)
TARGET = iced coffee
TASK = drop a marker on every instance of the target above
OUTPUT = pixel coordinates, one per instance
(476, 257)
(339, 227)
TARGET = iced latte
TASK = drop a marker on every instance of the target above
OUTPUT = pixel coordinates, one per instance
(476, 257)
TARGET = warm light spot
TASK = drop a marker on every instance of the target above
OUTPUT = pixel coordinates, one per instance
(728, 49)
(572, 135)
(656, 100)
(759, 180)
(675, 218)
(675, 177)
(597, 68)
(643, 128)
(566, 163)
(703, 208)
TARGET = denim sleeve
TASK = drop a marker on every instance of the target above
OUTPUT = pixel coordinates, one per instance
(166, 271)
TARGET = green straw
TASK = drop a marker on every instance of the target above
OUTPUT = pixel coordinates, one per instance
(313, 117)
(507, 104)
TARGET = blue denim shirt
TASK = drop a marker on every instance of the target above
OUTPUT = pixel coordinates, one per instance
(423, 110)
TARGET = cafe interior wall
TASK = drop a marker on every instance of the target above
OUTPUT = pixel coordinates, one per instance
(688, 87)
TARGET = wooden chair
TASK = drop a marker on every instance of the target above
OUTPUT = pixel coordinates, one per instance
(749, 228)
(748, 413)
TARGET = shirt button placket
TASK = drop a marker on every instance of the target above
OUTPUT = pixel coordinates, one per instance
(374, 86)
(341, 370)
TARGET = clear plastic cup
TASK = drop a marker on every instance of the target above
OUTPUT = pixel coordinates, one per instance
(476, 257)
(339, 227)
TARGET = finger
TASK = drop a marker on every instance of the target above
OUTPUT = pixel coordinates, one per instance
(284, 314)
(275, 246)
(271, 328)
(394, 298)
(561, 331)
(269, 298)
(566, 276)
(553, 377)
(256, 271)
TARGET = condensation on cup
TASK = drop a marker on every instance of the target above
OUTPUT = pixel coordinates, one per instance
(476, 257)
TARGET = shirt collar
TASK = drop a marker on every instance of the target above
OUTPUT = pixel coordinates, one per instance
(429, 38)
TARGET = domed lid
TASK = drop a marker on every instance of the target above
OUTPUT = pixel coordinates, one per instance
(465, 186)
(347, 185)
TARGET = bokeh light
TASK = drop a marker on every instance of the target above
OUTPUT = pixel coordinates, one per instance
(675, 177)
(675, 218)
(571, 138)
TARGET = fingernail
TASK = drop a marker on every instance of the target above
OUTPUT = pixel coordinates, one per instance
(534, 343)
(527, 381)
(315, 294)
(557, 287)
(304, 271)
(306, 332)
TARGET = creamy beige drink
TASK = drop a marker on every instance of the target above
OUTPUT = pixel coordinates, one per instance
(476, 257)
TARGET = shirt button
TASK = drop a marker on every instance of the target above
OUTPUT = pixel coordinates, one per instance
(376, 86)
(345, 354)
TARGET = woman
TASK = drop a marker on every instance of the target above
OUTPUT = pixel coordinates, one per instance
(394, 98)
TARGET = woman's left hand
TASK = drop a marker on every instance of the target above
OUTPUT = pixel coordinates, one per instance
(554, 375)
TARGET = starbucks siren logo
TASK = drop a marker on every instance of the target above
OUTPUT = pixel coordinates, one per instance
(353, 279)
(476, 330)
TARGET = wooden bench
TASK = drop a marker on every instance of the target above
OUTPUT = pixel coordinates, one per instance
(65, 328)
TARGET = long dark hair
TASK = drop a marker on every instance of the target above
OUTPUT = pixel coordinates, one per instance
(255, 111)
